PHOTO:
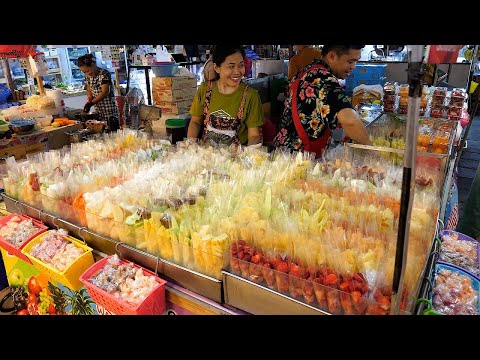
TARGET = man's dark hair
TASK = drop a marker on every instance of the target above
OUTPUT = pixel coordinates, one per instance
(340, 49)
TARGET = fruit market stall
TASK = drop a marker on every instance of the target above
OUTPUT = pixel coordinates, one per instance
(216, 218)
(267, 233)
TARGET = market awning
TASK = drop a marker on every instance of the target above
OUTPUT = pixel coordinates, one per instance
(16, 51)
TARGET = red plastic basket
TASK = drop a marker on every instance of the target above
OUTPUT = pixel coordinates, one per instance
(17, 251)
(153, 304)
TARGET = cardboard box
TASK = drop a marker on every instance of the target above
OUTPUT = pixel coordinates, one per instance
(173, 83)
(173, 95)
(179, 107)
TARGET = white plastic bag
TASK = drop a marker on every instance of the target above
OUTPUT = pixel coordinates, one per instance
(38, 65)
(162, 54)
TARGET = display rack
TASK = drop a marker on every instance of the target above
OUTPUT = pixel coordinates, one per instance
(256, 299)
(200, 284)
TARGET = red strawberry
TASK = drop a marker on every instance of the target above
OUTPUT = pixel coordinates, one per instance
(282, 267)
(330, 279)
(295, 270)
(256, 259)
(267, 265)
(384, 302)
(344, 286)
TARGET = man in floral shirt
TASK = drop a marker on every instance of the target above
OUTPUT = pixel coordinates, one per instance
(321, 102)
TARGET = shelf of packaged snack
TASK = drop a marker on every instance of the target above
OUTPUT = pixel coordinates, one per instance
(201, 284)
(448, 159)
(445, 159)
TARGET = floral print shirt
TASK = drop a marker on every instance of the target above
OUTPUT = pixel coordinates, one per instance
(319, 98)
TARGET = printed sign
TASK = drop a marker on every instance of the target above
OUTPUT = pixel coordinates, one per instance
(442, 54)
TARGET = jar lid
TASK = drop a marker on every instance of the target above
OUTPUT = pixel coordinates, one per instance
(175, 122)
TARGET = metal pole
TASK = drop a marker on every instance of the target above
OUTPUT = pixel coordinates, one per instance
(415, 73)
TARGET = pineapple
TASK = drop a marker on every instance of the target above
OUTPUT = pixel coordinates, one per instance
(60, 299)
(81, 302)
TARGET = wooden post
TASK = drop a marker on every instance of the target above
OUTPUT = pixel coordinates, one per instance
(40, 85)
(117, 82)
(9, 79)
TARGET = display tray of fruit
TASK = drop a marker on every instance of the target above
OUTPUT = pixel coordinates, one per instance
(461, 250)
(434, 135)
(125, 288)
(319, 286)
(63, 257)
(455, 291)
(16, 231)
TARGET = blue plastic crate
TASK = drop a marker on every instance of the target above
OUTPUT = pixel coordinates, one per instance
(369, 71)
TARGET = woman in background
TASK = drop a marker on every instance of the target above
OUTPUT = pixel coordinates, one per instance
(99, 91)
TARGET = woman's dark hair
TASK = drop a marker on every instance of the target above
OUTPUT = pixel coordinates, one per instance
(340, 49)
(85, 60)
(220, 52)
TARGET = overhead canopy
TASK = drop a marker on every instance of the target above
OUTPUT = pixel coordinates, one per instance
(15, 51)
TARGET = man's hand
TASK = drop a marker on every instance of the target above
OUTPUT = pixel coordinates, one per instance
(87, 107)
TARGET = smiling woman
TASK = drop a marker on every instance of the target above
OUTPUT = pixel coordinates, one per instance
(229, 110)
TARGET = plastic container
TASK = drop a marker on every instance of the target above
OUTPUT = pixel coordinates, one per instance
(45, 120)
(403, 90)
(475, 281)
(17, 251)
(440, 91)
(70, 277)
(153, 304)
(164, 70)
(177, 129)
(462, 237)
(389, 88)
(95, 126)
(22, 126)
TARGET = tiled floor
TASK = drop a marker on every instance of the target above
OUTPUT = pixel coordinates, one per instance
(468, 163)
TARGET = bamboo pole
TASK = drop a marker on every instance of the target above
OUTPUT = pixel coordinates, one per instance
(117, 82)
(40, 85)
(9, 79)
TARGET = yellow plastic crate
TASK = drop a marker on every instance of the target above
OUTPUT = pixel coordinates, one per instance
(70, 277)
